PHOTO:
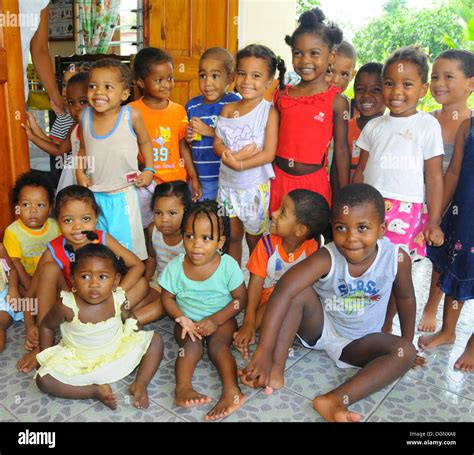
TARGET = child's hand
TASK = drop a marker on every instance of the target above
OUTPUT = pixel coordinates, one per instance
(144, 179)
(31, 337)
(189, 135)
(189, 328)
(246, 152)
(29, 132)
(229, 160)
(198, 126)
(257, 372)
(207, 326)
(242, 338)
(83, 180)
(196, 188)
(433, 234)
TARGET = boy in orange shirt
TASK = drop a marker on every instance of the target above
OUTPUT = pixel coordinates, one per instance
(295, 230)
(166, 124)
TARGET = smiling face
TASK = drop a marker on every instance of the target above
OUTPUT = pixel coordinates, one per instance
(159, 82)
(34, 206)
(76, 98)
(342, 71)
(106, 89)
(368, 95)
(449, 84)
(355, 231)
(202, 244)
(168, 212)
(213, 79)
(252, 78)
(311, 57)
(402, 88)
(94, 279)
(284, 222)
(74, 217)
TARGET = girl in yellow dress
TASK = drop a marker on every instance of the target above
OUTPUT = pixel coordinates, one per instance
(99, 344)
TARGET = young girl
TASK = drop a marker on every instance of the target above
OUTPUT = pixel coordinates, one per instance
(9, 296)
(295, 230)
(111, 138)
(77, 212)
(203, 291)
(164, 241)
(452, 81)
(336, 301)
(99, 344)
(401, 154)
(246, 140)
(311, 114)
(455, 259)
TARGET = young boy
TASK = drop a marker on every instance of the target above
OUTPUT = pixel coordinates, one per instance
(452, 81)
(369, 103)
(336, 301)
(165, 122)
(216, 73)
(343, 70)
(64, 153)
(295, 230)
(26, 238)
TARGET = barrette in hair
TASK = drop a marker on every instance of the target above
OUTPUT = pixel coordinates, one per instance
(91, 236)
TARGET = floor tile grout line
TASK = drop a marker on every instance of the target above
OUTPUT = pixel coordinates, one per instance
(395, 383)
(441, 388)
(11, 413)
(169, 411)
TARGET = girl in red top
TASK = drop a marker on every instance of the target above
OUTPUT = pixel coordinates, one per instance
(76, 212)
(311, 114)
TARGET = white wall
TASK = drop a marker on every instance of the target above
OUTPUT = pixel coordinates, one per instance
(267, 22)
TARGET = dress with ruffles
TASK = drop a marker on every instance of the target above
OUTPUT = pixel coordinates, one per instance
(95, 353)
(455, 258)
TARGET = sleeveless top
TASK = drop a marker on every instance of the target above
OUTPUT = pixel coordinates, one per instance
(357, 305)
(114, 154)
(306, 126)
(164, 253)
(61, 256)
(238, 132)
(68, 174)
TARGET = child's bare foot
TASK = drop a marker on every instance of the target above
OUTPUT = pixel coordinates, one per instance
(228, 404)
(187, 397)
(107, 396)
(140, 395)
(28, 362)
(331, 409)
(437, 339)
(428, 320)
(466, 361)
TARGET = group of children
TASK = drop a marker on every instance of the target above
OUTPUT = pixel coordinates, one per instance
(152, 208)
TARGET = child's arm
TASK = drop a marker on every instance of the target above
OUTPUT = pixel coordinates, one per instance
(267, 155)
(146, 150)
(341, 157)
(23, 277)
(51, 147)
(136, 268)
(359, 172)
(35, 128)
(150, 263)
(55, 317)
(174, 312)
(246, 334)
(13, 290)
(290, 285)
(405, 296)
(434, 199)
(185, 154)
(209, 325)
(198, 126)
(452, 174)
(81, 176)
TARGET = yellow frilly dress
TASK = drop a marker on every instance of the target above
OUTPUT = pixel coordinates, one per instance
(99, 353)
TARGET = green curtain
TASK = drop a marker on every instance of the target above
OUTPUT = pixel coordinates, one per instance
(97, 22)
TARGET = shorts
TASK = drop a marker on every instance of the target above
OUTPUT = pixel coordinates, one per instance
(121, 218)
(250, 206)
(209, 189)
(17, 316)
(145, 195)
(406, 222)
(331, 342)
(284, 183)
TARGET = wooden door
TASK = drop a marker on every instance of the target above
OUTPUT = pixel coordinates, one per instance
(185, 29)
(14, 157)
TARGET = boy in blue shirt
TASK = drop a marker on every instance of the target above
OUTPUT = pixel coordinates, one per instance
(215, 75)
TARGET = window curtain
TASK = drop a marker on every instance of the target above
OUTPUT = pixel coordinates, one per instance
(97, 20)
